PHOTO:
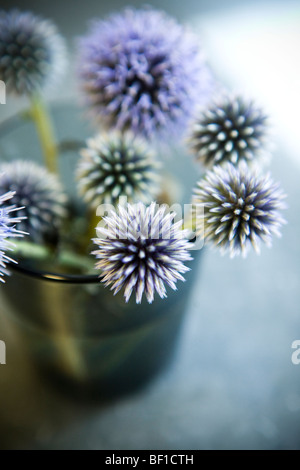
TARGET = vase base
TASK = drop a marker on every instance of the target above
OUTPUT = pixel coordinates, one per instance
(108, 388)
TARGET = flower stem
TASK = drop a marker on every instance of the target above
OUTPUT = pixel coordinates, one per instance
(189, 224)
(66, 345)
(45, 131)
(94, 220)
(65, 258)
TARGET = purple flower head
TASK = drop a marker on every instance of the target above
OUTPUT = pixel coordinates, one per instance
(32, 52)
(241, 207)
(7, 230)
(140, 250)
(38, 195)
(142, 71)
(114, 165)
(231, 129)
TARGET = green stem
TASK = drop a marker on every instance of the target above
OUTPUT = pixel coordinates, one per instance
(66, 258)
(189, 224)
(71, 357)
(45, 131)
(94, 220)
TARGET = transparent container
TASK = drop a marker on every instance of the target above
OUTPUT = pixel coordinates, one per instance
(79, 335)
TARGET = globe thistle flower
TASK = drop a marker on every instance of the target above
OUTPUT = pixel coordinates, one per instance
(115, 165)
(232, 129)
(8, 221)
(140, 250)
(142, 71)
(241, 208)
(32, 52)
(40, 193)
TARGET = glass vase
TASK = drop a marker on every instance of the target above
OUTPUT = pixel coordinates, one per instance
(79, 335)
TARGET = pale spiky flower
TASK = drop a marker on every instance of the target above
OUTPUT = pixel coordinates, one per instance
(41, 194)
(141, 250)
(241, 207)
(231, 129)
(140, 70)
(8, 221)
(115, 165)
(32, 52)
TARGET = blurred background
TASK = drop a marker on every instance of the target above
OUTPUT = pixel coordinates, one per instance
(233, 384)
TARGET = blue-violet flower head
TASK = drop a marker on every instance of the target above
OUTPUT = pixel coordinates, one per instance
(140, 250)
(117, 164)
(8, 222)
(230, 129)
(40, 195)
(141, 70)
(32, 52)
(241, 207)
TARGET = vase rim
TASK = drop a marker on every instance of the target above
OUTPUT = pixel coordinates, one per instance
(55, 277)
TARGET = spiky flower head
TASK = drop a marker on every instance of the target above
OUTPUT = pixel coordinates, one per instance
(8, 221)
(41, 194)
(141, 250)
(241, 207)
(115, 165)
(231, 129)
(32, 52)
(141, 70)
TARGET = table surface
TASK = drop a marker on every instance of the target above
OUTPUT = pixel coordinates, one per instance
(232, 384)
